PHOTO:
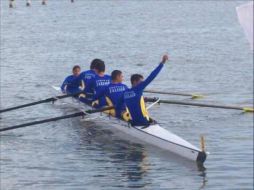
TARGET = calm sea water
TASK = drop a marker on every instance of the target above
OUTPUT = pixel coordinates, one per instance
(208, 52)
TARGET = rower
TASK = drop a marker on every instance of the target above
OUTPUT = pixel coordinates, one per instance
(99, 83)
(134, 100)
(114, 92)
(86, 78)
(71, 83)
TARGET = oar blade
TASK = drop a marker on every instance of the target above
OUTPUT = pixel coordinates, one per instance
(57, 88)
(248, 109)
(197, 96)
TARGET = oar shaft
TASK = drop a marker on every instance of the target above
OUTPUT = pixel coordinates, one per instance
(43, 121)
(198, 104)
(201, 105)
(57, 118)
(167, 93)
(39, 102)
(27, 105)
(193, 96)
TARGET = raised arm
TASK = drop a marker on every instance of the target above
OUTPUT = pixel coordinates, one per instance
(153, 74)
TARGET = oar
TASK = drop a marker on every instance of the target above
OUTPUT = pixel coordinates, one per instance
(77, 114)
(245, 109)
(52, 99)
(193, 96)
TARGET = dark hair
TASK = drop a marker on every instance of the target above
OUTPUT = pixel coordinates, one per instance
(75, 67)
(93, 64)
(99, 65)
(115, 74)
(136, 78)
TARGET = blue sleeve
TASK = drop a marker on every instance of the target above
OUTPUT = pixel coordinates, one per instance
(150, 78)
(65, 82)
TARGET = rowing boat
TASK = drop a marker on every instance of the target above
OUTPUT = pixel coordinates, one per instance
(153, 134)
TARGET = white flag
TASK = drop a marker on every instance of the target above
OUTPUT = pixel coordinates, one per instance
(245, 17)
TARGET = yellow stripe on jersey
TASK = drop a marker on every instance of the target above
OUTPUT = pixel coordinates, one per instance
(126, 115)
(143, 108)
(112, 111)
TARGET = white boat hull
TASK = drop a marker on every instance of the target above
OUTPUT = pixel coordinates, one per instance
(153, 134)
(164, 139)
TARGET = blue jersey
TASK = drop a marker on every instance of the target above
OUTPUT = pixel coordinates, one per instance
(87, 77)
(114, 94)
(134, 100)
(99, 85)
(71, 84)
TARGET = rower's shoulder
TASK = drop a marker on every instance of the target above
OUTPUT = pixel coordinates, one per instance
(129, 89)
(90, 72)
(84, 72)
(118, 85)
(125, 86)
(107, 76)
(70, 77)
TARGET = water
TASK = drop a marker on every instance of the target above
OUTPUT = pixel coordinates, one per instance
(208, 54)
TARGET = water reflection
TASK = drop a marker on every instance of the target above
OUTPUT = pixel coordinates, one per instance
(202, 174)
(134, 157)
(131, 160)
(128, 158)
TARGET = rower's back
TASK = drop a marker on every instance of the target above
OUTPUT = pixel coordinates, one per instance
(87, 77)
(99, 84)
(113, 95)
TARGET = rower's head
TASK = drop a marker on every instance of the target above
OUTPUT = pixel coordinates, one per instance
(117, 76)
(136, 79)
(76, 70)
(99, 66)
(93, 64)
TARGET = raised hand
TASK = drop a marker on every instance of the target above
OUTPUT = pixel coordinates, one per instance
(164, 59)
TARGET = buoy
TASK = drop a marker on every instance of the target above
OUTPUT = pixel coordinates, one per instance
(11, 3)
(72, 1)
(28, 3)
(43, 2)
